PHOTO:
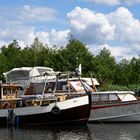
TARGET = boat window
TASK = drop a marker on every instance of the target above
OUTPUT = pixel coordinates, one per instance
(95, 98)
(15, 75)
(41, 70)
(9, 91)
(35, 89)
(63, 86)
(50, 87)
(113, 97)
(127, 97)
(6, 91)
(38, 88)
(104, 97)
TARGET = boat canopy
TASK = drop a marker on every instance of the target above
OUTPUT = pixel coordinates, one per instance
(25, 73)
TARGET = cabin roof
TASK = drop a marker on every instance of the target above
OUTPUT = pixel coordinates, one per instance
(114, 92)
(10, 85)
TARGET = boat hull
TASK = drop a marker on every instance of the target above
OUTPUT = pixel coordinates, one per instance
(115, 112)
(72, 111)
(3, 117)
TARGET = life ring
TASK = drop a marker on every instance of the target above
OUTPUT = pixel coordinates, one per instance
(55, 110)
(6, 105)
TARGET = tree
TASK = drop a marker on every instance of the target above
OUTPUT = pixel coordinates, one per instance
(121, 73)
(12, 53)
(105, 66)
(74, 54)
(3, 66)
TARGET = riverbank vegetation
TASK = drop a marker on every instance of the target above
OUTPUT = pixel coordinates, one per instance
(112, 75)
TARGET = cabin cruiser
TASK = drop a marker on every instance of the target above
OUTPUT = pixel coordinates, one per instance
(53, 102)
(114, 106)
(62, 102)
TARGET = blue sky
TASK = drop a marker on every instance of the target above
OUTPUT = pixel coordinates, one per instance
(112, 24)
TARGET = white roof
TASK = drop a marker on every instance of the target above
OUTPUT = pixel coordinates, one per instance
(18, 69)
(27, 72)
(114, 92)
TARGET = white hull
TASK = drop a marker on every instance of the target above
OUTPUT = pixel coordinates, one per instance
(71, 111)
(67, 104)
(123, 112)
(3, 113)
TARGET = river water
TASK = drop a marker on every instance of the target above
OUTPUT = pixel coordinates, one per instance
(116, 131)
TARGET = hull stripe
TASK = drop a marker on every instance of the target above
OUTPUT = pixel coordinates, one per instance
(94, 106)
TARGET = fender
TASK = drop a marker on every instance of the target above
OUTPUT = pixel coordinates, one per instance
(55, 110)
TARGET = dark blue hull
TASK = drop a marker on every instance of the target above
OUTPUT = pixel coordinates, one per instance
(72, 116)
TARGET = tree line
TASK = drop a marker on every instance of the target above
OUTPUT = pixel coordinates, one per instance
(103, 66)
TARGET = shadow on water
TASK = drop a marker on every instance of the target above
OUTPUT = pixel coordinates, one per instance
(45, 133)
(90, 132)
(114, 131)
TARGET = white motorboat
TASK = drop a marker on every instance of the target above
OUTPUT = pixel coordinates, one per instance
(115, 106)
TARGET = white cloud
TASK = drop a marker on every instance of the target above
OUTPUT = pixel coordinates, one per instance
(21, 43)
(35, 14)
(19, 25)
(43, 37)
(26, 36)
(113, 2)
(19, 32)
(3, 43)
(127, 28)
(131, 2)
(92, 27)
(59, 38)
(105, 2)
(118, 27)
(26, 14)
(89, 26)
(119, 52)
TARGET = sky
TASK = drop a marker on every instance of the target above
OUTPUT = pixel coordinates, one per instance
(113, 24)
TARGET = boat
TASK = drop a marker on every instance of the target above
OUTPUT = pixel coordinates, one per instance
(114, 106)
(9, 96)
(54, 102)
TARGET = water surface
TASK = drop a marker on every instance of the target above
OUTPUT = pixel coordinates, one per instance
(90, 132)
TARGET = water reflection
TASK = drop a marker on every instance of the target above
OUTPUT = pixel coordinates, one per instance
(116, 131)
(90, 132)
(52, 133)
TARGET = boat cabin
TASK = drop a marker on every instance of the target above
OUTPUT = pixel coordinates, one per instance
(9, 94)
(61, 90)
(62, 86)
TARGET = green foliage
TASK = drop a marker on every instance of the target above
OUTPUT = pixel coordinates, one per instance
(111, 75)
(105, 66)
